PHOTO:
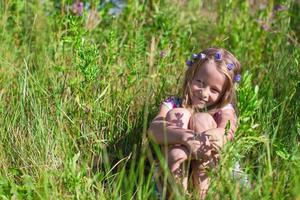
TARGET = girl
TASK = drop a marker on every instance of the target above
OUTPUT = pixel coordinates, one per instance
(193, 127)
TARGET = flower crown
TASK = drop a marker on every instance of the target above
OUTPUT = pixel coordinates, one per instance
(218, 57)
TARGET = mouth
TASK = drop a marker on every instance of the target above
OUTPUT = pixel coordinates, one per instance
(199, 99)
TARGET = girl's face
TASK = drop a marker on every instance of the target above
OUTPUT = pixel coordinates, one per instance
(208, 85)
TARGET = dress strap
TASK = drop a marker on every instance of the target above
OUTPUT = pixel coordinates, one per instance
(173, 102)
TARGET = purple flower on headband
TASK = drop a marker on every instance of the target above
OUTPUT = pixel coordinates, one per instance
(201, 55)
(218, 56)
(230, 66)
(237, 78)
(189, 63)
(194, 56)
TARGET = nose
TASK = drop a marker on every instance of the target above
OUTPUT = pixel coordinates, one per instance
(204, 93)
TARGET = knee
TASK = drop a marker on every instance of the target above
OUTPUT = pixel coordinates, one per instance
(201, 122)
(179, 116)
(177, 155)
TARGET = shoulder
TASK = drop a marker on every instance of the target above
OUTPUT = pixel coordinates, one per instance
(227, 113)
(229, 110)
(228, 107)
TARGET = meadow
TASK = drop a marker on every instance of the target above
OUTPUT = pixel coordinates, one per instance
(78, 90)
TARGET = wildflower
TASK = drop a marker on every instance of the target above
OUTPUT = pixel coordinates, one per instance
(77, 8)
(162, 54)
(279, 8)
(265, 26)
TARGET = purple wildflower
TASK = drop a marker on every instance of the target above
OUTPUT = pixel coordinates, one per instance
(77, 8)
(265, 26)
(279, 8)
(162, 54)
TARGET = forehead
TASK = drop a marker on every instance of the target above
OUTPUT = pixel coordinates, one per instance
(209, 72)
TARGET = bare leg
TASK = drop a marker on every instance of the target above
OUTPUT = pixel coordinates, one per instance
(200, 177)
(201, 122)
(176, 155)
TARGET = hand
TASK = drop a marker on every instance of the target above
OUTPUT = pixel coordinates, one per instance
(216, 139)
(192, 145)
(199, 146)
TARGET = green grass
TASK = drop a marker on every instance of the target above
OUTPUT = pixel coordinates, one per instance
(75, 103)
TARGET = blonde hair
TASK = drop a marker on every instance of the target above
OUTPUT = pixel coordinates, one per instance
(229, 95)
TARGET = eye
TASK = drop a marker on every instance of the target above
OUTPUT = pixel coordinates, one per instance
(215, 90)
(200, 81)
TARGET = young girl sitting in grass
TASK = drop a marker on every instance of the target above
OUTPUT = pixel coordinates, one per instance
(193, 127)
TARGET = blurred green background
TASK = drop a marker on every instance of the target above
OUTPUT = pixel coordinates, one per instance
(81, 81)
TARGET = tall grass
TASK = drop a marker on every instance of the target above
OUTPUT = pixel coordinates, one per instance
(76, 101)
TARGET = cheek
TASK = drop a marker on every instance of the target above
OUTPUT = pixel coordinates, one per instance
(195, 87)
(215, 97)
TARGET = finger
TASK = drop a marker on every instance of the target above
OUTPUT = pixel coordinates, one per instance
(216, 149)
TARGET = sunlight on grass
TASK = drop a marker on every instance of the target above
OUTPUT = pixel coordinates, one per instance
(77, 96)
